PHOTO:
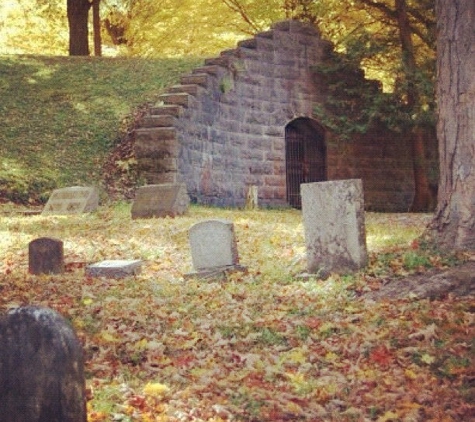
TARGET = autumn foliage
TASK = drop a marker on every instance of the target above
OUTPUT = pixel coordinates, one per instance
(262, 346)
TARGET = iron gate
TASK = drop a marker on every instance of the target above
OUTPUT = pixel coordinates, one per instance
(305, 156)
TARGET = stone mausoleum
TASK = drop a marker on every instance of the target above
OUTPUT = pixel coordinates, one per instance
(246, 119)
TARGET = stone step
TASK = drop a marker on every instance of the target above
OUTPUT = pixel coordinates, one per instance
(161, 120)
(222, 61)
(251, 43)
(191, 89)
(166, 110)
(155, 133)
(195, 79)
(179, 98)
(228, 53)
(266, 34)
(155, 144)
(209, 69)
(154, 178)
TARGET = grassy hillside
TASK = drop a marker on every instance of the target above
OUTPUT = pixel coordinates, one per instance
(61, 116)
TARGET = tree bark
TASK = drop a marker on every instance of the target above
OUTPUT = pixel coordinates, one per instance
(96, 23)
(78, 13)
(453, 226)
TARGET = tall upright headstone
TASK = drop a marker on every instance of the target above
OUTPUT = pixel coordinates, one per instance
(165, 200)
(41, 368)
(72, 200)
(213, 248)
(45, 256)
(334, 225)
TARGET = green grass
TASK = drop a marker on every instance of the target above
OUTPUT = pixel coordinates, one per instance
(62, 115)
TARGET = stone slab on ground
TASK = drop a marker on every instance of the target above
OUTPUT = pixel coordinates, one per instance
(114, 268)
(333, 218)
(164, 200)
(72, 200)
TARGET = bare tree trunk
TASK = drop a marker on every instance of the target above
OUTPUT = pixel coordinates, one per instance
(453, 226)
(96, 24)
(424, 199)
(422, 193)
(78, 12)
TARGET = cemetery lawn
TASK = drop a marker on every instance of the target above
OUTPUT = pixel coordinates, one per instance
(62, 116)
(261, 346)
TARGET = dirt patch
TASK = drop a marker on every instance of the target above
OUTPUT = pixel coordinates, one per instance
(434, 284)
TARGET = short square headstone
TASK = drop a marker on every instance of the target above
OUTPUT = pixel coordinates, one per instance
(165, 200)
(72, 200)
(213, 248)
(333, 218)
(45, 256)
(114, 268)
(41, 368)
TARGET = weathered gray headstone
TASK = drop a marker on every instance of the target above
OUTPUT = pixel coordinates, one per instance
(45, 256)
(72, 200)
(41, 368)
(333, 218)
(114, 268)
(213, 248)
(165, 200)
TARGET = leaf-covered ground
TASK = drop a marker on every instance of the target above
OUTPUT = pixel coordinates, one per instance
(261, 346)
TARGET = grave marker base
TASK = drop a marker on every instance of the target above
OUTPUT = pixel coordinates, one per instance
(218, 273)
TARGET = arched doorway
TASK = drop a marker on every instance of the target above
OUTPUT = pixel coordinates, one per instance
(305, 156)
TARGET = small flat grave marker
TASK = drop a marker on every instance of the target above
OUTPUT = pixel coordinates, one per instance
(45, 256)
(333, 218)
(114, 268)
(72, 200)
(165, 200)
(213, 249)
(41, 368)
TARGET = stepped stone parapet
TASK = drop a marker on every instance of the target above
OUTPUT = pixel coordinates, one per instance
(246, 119)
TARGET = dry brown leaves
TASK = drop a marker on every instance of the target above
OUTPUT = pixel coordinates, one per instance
(262, 346)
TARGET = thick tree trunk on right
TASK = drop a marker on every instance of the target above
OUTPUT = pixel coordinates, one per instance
(78, 13)
(453, 226)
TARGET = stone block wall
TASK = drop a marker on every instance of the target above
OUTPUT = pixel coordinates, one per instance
(222, 129)
(383, 160)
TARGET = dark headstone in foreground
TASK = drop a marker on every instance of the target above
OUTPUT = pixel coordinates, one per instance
(166, 200)
(45, 256)
(41, 368)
